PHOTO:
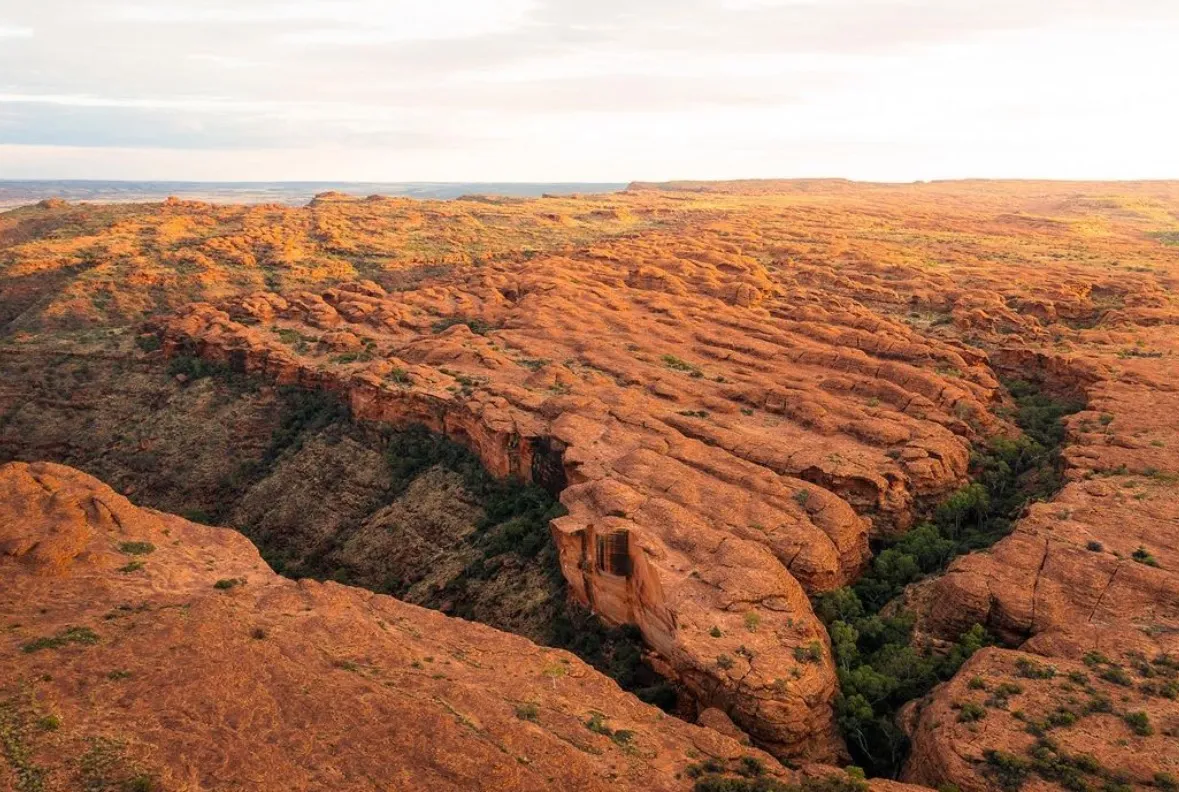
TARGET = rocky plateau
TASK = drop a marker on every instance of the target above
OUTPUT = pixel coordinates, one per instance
(737, 392)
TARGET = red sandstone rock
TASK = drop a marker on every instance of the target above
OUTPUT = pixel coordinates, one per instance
(690, 441)
(838, 333)
(275, 684)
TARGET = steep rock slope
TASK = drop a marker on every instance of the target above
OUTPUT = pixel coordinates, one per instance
(711, 456)
(1087, 586)
(144, 649)
(748, 379)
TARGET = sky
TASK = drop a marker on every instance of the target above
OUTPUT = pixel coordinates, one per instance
(588, 90)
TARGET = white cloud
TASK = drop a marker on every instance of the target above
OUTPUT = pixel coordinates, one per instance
(566, 89)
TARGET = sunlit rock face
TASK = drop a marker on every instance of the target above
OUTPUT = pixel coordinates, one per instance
(731, 387)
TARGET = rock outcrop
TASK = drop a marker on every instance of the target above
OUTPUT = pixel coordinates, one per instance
(1087, 585)
(1081, 717)
(714, 459)
(733, 387)
(141, 648)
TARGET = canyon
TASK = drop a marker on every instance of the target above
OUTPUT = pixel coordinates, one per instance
(739, 394)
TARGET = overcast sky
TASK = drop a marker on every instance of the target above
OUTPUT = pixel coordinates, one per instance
(594, 90)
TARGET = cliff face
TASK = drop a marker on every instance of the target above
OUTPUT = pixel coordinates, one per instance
(732, 388)
(712, 458)
(1087, 586)
(139, 645)
(1060, 713)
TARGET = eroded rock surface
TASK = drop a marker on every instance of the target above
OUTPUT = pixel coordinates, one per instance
(712, 455)
(141, 645)
(744, 380)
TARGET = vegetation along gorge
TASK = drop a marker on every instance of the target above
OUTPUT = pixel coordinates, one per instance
(816, 486)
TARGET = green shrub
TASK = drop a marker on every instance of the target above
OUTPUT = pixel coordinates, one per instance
(597, 724)
(477, 326)
(750, 767)
(1166, 782)
(879, 669)
(969, 712)
(811, 653)
(1061, 716)
(1117, 675)
(1007, 770)
(1139, 723)
(1099, 703)
(148, 342)
(136, 548)
(675, 363)
(1143, 556)
(78, 635)
(1002, 693)
(1095, 658)
(1030, 669)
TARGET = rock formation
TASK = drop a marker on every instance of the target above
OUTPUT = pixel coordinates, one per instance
(733, 388)
(712, 456)
(139, 645)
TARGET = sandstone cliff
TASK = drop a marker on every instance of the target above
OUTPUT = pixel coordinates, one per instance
(139, 645)
(733, 387)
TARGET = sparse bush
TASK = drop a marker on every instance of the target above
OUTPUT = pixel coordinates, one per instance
(1166, 782)
(1139, 723)
(78, 635)
(750, 767)
(1143, 556)
(1117, 675)
(1099, 703)
(148, 342)
(597, 724)
(477, 326)
(1030, 669)
(969, 712)
(1007, 770)
(676, 364)
(811, 653)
